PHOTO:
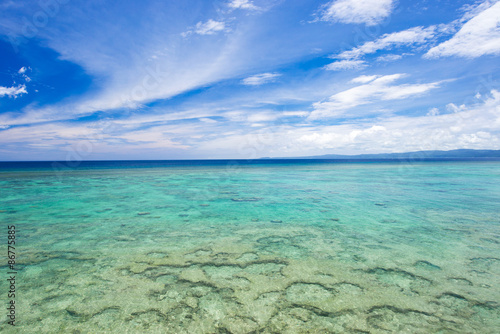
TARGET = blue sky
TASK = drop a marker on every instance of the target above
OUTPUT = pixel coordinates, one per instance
(82, 80)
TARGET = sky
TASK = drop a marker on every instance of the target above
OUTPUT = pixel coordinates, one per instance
(244, 79)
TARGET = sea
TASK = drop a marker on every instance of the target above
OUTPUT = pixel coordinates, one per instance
(258, 246)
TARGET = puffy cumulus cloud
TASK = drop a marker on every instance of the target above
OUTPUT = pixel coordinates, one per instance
(22, 71)
(433, 112)
(345, 65)
(479, 36)
(474, 127)
(340, 136)
(260, 79)
(374, 88)
(452, 107)
(369, 12)
(13, 91)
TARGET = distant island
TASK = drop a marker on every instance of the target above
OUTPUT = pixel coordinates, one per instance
(465, 154)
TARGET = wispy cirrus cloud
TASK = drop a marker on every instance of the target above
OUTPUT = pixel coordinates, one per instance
(364, 78)
(477, 37)
(369, 12)
(347, 64)
(352, 59)
(408, 37)
(161, 64)
(242, 4)
(373, 89)
(388, 58)
(209, 27)
(260, 79)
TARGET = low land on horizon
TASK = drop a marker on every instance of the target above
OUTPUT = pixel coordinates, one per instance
(456, 155)
(418, 155)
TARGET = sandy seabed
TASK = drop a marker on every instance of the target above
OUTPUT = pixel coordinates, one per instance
(259, 277)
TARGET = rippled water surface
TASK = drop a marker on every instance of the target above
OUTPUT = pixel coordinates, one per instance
(268, 248)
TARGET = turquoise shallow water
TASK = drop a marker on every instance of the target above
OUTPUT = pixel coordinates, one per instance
(268, 248)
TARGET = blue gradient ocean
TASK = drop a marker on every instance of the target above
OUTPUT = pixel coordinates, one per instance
(242, 247)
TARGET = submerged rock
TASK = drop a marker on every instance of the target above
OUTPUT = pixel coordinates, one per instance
(276, 221)
(104, 210)
(144, 213)
(427, 265)
(246, 199)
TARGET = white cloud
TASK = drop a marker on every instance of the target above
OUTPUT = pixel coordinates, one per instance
(365, 78)
(13, 91)
(477, 37)
(474, 127)
(153, 137)
(369, 12)
(375, 88)
(295, 113)
(128, 77)
(242, 4)
(452, 107)
(204, 28)
(433, 112)
(87, 141)
(415, 35)
(260, 79)
(388, 58)
(345, 65)
(259, 117)
(22, 71)
(209, 28)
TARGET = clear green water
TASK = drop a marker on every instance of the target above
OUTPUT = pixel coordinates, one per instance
(297, 248)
